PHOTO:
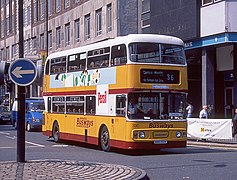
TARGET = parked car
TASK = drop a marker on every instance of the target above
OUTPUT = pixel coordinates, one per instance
(5, 114)
(33, 115)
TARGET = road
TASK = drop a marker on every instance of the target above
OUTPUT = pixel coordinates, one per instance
(168, 164)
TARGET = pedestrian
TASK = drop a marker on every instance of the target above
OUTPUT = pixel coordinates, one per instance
(189, 110)
(234, 123)
(203, 113)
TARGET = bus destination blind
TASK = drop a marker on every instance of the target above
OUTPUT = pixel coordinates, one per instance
(159, 76)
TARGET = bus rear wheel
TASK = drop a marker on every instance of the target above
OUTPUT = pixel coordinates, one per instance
(104, 139)
(56, 132)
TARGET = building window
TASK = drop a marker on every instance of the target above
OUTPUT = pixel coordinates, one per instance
(206, 2)
(50, 40)
(41, 41)
(8, 54)
(28, 22)
(8, 24)
(42, 6)
(13, 17)
(2, 54)
(87, 26)
(145, 16)
(67, 34)
(14, 51)
(2, 28)
(25, 47)
(36, 7)
(8, 16)
(28, 46)
(66, 3)
(77, 30)
(58, 37)
(109, 18)
(50, 7)
(34, 43)
(98, 21)
(58, 5)
(2, 17)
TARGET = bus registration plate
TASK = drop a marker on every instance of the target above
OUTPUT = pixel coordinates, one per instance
(160, 142)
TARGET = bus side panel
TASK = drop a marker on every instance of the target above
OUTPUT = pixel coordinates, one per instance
(85, 128)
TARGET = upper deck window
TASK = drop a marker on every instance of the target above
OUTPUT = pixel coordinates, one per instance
(156, 53)
(58, 65)
(98, 58)
(118, 55)
(77, 62)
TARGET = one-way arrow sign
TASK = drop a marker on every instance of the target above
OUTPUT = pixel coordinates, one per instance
(18, 72)
(22, 72)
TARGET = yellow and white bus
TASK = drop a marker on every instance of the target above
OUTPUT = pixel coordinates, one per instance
(128, 92)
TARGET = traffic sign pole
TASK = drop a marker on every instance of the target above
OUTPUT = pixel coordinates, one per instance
(21, 124)
(21, 93)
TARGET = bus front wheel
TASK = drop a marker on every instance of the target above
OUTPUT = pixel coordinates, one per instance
(104, 139)
(56, 132)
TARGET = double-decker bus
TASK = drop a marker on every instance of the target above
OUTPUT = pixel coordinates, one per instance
(128, 92)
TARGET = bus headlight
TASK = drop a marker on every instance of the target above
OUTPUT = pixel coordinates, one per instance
(142, 134)
(35, 120)
(178, 134)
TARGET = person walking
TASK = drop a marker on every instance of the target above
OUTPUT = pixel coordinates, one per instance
(234, 123)
(189, 110)
(203, 113)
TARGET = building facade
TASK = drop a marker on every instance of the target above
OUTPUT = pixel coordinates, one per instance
(56, 25)
(208, 28)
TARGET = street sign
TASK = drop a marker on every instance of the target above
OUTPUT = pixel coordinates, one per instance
(22, 72)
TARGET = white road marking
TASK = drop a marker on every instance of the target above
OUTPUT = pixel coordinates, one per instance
(39, 145)
(11, 137)
(5, 133)
(58, 145)
(16, 147)
(27, 142)
(7, 147)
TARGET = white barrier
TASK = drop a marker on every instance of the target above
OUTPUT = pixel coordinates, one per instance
(209, 128)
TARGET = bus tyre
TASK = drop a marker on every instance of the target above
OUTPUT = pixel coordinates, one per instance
(28, 127)
(104, 139)
(56, 133)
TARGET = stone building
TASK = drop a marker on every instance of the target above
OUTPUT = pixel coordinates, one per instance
(208, 28)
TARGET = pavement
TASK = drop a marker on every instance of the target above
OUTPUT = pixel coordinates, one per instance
(231, 144)
(58, 169)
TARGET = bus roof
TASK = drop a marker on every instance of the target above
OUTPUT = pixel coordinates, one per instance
(164, 39)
